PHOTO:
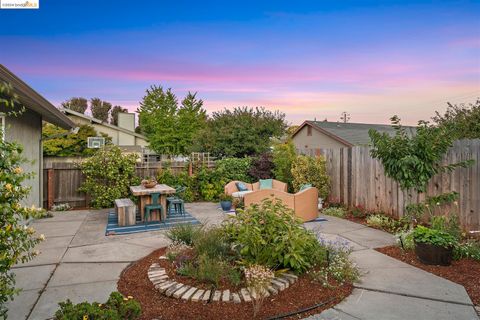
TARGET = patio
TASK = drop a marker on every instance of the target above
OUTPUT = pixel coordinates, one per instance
(79, 262)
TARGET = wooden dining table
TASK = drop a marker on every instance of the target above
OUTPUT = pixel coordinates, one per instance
(144, 198)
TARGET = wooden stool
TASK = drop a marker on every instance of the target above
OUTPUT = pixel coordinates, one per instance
(125, 209)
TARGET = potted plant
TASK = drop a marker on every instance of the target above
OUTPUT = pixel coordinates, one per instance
(238, 203)
(432, 246)
(225, 202)
(149, 182)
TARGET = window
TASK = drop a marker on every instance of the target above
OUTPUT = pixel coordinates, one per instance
(2, 126)
(309, 131)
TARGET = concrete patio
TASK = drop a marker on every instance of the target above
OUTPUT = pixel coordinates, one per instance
(78, 262)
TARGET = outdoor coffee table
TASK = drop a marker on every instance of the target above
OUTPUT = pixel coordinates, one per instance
(144, 198)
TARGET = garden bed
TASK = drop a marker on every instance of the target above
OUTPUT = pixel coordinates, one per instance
(303, 294)
(465, 272)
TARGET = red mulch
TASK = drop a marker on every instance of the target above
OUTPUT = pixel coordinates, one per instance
(465, 272)
(304, 293)
(360, 220)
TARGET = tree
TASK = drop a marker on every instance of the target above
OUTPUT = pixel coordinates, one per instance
(191, 119)
(171, 129)
(242, 131)
(412, 160)
(76, 104)
(291, 130)
(60, 143)
(462, 121)
(114, 114)
(100, 109)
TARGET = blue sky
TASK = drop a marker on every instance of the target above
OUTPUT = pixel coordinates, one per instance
(309, 59)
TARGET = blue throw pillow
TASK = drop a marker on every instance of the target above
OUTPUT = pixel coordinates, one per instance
(241, 186)
(266, 184)
(305, 186)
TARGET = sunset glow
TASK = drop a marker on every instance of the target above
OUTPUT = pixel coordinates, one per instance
(309, 61)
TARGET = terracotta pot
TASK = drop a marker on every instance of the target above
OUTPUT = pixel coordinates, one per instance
(149, 183)
(433, 255)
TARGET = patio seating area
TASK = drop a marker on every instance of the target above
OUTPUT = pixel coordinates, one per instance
(304, 203)
(79, 262)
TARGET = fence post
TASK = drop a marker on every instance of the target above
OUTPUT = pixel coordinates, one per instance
(50, 188)
(190, 169)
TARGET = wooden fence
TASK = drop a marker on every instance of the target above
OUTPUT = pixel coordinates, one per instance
(61, 181)
(358, 179)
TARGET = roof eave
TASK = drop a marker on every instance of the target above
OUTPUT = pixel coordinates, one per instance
(331, 135)
(34, 101)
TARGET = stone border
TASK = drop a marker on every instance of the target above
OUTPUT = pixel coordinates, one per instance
(170, 288)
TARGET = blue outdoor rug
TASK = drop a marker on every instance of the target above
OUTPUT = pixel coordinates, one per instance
(317, 220)
(172, 220)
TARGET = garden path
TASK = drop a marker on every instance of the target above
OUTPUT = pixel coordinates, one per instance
(79, 262)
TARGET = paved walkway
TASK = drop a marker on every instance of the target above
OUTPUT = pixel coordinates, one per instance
(78, 262)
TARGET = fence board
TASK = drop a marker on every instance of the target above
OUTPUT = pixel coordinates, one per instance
(68, 178)
(364, 182)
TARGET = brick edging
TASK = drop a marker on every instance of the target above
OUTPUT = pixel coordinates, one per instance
(170, 288)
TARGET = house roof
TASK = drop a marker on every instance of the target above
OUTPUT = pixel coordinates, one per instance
(350, 134)
(34, 101)
(103, 123)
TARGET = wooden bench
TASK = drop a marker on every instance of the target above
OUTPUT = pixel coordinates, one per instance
(125, 209)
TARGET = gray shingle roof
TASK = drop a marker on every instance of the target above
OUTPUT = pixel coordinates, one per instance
(354, 133)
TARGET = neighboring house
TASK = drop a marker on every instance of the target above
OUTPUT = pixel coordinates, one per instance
(312, 135)
(26, 129)
(123, 135)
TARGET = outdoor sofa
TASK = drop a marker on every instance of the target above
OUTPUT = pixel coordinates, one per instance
(304, 203)
(231, 188)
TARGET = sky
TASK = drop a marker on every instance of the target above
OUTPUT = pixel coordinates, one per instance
(308, 59)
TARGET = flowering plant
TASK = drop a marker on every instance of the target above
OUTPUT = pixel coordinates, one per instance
(258, 278)
(16, 239)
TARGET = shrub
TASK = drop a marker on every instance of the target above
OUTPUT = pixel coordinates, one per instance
(262, 166)
(338, 264)
(206, 269)
(283, 156)
(16, 240)
(210, 258)
(61, 207)
(335, 211)
(212, 243)
(435, 237)
(358, 212)
(426, 209)
(405, 239)
(183, 233)
(116, 308)
(269, 234)
(176, 249)
(108, 176)
(469, 249)
(210, 184)
(449, 224)
(166, 176)
(258, 279)
(383, 222)
(311, 170)
(234, 169)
